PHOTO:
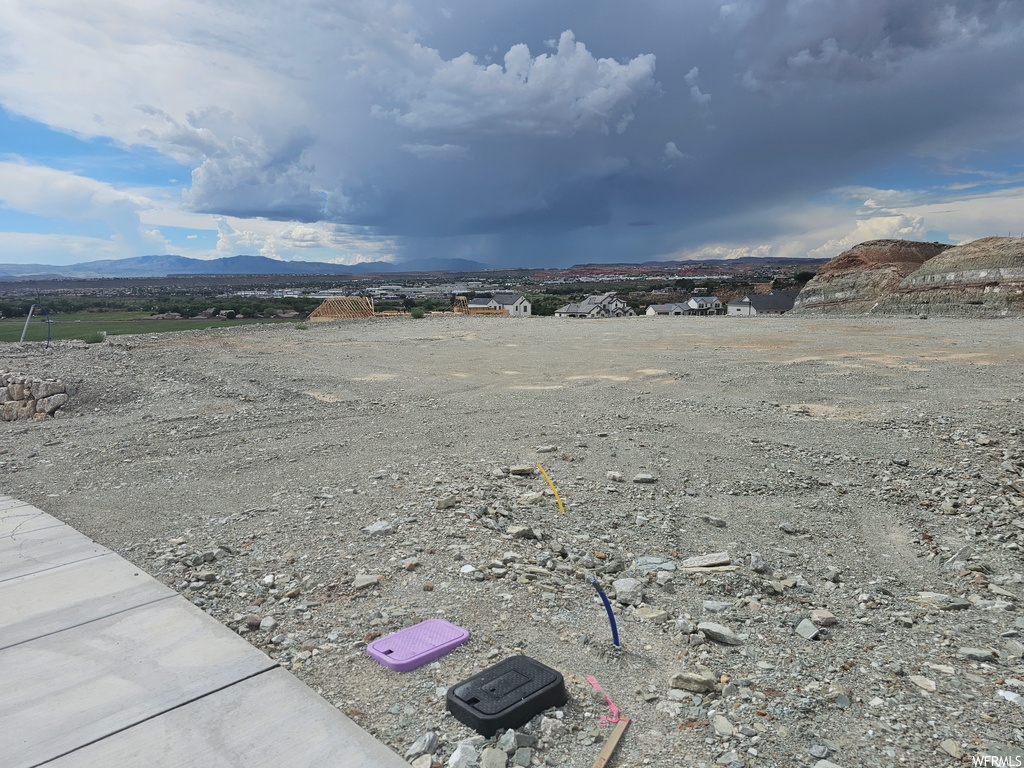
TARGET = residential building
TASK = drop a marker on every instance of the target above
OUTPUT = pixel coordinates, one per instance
(705, 305)
(597, 305)
(516, 304)
(668, 309)
(771, 303)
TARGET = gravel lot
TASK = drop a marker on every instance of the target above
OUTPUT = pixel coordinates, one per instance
(867, 462)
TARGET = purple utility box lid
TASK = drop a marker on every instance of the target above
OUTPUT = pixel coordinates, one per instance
(416, 645)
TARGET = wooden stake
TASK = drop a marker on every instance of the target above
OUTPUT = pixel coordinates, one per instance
(611, 743)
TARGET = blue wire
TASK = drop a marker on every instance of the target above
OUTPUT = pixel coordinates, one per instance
(608, 608)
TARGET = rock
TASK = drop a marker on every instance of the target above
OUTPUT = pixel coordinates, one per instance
(1014, 649)
(976, 654)
(50, 404)
(719, 633)
(628, 591)
(520, 532)
(363, 580)
(1011, 696)
(651, 615)
(807, 630)
(492, 757)
(547, 448)
(551, 727)
(951, 748)
(757, 563)
(464, 756)
(44, 389)
(423, 761)
(426, 744)
(717, 522)
(643, 478)
(942, 602)
(707, 561)
(923, 683)
(787, 528)
(525, 740)
(446, 502)
(721, 725)
(822, 617)
(819, 751)
(379, 528)
(684, 626)
(615, 477)
(268, 624)
(523, 757)
(507, 742)
(699, 680)
(522, 470)
(716, 606)
(653, 563)
(252, 621)
(532, 497)
(826, 764)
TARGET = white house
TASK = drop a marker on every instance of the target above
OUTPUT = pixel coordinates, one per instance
(705, 305)
(668, 309)
(771, 303)
(597, 305)
(516, 304)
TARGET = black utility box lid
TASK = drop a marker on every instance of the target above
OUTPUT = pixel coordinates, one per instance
(506, 696)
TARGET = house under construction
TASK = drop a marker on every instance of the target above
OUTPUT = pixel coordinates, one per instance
(344, 308)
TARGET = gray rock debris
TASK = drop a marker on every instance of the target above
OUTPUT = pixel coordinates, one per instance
(719, 633)
(379, 528)
(426, 744)
(628, 591)
(807, 630)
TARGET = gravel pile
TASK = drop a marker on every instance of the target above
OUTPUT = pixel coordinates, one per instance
(810, 529)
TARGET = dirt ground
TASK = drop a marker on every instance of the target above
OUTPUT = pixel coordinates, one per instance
(867, 461)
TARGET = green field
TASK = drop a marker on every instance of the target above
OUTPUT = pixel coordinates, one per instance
(79, 325)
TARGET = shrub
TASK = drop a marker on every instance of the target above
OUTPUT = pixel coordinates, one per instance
(418, 312)
(301, 327)
(94, 337)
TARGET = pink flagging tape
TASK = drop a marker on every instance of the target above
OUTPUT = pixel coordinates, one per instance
(604, 719)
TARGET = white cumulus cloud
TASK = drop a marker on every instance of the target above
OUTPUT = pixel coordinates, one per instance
(557, 94)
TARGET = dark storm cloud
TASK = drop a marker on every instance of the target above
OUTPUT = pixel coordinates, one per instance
(508, 130)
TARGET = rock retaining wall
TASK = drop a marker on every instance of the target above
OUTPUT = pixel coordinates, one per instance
(26, 397)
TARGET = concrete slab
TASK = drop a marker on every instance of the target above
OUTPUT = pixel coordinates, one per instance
(229, 728)
(71, 688)
(100, 664)
(9, 502)
(34, 551)
(56, 599)
(25, 518)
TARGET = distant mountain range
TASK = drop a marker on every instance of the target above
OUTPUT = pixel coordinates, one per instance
(162, 266)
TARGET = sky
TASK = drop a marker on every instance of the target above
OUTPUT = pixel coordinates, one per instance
(524, 133)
